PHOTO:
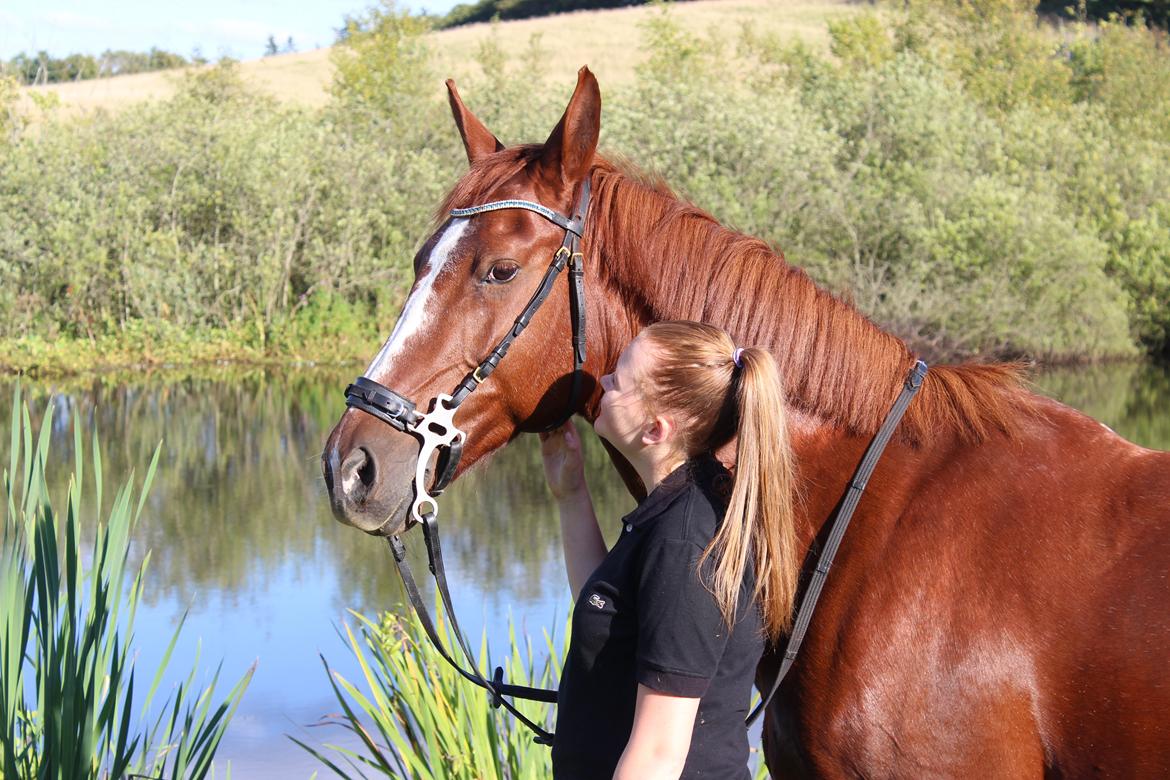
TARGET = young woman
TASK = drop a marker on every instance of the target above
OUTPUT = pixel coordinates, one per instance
(670, 623)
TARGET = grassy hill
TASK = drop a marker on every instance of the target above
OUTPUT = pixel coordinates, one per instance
(608, 41)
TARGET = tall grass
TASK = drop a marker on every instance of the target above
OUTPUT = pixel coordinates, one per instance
(417, 718)
(69, 680)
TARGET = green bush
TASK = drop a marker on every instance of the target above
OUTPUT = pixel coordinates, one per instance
(978, 182)
(41, 68)
(488, 10)
(888, 181)
(9, 120)
(68, 686)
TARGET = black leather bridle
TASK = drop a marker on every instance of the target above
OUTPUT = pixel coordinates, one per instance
(436, 429)
(437, 433)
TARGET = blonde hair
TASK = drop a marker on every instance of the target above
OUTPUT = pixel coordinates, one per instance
(693, 376)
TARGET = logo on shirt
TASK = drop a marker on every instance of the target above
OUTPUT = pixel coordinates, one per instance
(597, 601)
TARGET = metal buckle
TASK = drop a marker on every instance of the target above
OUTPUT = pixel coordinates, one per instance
(436, 429)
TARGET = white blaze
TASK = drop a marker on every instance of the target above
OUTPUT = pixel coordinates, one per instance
(416, 312)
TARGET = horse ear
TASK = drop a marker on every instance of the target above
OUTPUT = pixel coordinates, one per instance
(477, 139)
(568, 152)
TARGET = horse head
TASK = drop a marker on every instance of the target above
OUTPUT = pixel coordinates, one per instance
(473, 276)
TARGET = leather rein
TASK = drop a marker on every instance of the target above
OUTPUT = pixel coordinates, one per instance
(438, 436)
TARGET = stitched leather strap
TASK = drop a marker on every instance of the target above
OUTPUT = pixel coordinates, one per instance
(857, 485)
(496, 687)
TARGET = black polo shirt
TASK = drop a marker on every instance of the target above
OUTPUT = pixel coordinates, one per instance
(644, 617)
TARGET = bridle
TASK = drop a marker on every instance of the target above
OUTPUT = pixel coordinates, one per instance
(436, 429)
(437, 434)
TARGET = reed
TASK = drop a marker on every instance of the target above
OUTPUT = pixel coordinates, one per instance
(417, 718)
(68, 706)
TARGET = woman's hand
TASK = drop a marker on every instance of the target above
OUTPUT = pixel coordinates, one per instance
(564, 466)
(565, 469)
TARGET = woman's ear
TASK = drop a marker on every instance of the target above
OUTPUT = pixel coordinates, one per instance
(659, 430)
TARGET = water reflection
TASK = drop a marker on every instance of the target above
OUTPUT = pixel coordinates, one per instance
(239, 491)
(1131, 398)
(240, 530)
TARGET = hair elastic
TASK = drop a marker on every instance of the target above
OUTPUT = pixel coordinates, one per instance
(735, 357)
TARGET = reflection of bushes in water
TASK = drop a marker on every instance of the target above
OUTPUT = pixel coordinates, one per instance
(967, 187)
(1146, 420)
(240, 491)
(240, 495)
(1131, 398)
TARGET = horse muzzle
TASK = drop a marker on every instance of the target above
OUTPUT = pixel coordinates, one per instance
(368, 479)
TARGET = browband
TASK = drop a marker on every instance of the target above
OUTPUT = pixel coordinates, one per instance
(575, 226)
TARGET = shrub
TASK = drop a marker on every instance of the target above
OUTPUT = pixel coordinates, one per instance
(9, 121)
(980, 183)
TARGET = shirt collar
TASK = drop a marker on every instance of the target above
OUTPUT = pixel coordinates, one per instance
(702, 467)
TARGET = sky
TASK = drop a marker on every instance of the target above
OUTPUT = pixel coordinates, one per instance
(236, 28)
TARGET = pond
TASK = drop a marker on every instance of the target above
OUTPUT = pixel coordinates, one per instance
(243, 543)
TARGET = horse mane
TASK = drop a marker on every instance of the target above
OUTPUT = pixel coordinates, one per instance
(670, 260)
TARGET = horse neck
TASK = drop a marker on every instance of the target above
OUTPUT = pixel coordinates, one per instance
(665, 259)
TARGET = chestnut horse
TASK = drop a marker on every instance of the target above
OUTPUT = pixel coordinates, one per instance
(1001, 603)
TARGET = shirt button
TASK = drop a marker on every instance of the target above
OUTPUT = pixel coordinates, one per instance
(629, 527)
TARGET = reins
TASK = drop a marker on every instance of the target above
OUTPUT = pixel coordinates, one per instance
(812, 593)
(438, 435)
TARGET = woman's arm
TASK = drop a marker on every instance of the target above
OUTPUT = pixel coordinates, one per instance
(660, 739)
(581, 538)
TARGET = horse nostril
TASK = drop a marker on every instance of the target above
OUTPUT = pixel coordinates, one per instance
(358, 473)
(366, 472)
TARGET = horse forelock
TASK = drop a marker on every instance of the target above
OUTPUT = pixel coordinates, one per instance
(666, 258)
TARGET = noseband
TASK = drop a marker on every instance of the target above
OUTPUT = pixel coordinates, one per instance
(437, 434)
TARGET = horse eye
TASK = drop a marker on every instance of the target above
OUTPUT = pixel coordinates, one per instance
(503, 272)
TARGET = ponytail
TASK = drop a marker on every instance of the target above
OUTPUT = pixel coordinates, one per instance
(760, 523)
(716, 398)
